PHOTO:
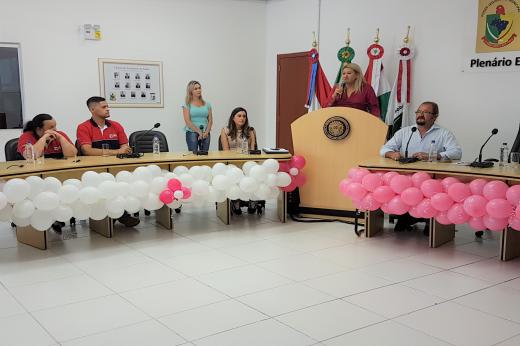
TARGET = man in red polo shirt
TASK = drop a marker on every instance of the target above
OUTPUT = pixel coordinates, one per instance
(98, 130)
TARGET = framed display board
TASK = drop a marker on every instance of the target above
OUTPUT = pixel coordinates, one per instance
(131, 83)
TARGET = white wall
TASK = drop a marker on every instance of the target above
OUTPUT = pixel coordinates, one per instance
(220, 43)
(443, 32)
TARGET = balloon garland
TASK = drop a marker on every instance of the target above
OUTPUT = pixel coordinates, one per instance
(40, 202)
(481, 203)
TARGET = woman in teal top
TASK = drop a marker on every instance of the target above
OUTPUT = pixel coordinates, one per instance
(198, 118)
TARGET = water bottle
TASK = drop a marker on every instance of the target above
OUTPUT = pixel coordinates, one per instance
(504, 154)
(156, 146)
(432, 153)
(245, 145)
(28, 153)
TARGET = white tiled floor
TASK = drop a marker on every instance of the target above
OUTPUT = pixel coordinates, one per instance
(256, 282)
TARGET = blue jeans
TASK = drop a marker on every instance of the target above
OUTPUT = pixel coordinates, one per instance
(192, 140)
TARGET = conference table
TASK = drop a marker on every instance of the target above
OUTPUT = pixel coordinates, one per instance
(73, 168)
(441, 234)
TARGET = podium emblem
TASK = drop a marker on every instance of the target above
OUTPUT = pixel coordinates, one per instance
(336, 128)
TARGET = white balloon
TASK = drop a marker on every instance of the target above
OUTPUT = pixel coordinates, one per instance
(154, 170)
(152, 202)
(271, 165)
(19, 222)
(170, 175)
(248, 184)
(99, 210)
(246, 167)
(51, 184)
(219, 168)
(258, 172)
(196, 172)
(23, 209)
(124, 176)
(142, 173)
(116, 205)
(200, 188)
(175, 204)
(158, 184)
(6, 213)
(16, 190)
(273, 193)
(178, 194)
(63, 213)
(3, 200)
(234, 192)
(245, 196)
(46, 201)
(132, 204)
(68, 194)
(186, 179)
(116, 215)
(293, 171)
(283, 179)
(90, 178)
(41, 220)
(37, 185)
(263, 191)
(271, 180)
(81, 211)
(123, 189)
(105, 176)
(235, 174)
(208, 173)
(89, 195)
(179, 170)
(73, 182)
(108, 189)
(218, 196)
(140, 189)
(221, 182)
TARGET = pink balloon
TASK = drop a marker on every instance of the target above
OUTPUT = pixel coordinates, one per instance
(292, 186)
(513, 194)
(446, 182)
(499, 208)
(343, 185)
(515, 224)
(383, 194)
(300, 179)
(441, 201)
(358, 174)
(174, 184)
(431, 187)
(380, 174)
(419, 177)
(355, 191)
(186, 192)
(370, 203)
(284, 167)
(399, 183)
(457, 215)
(412, 196)
(442, 218)
(477, 223)
(477, 186)
(166, 196)
(475, 205)
(517, 212)
(371, 181)
(459, 191)
(387, 177)
(425, 209)
(297, 161)
(396, 206)
(414, 212)
(384, 208)
(493, 223)
(495, 189)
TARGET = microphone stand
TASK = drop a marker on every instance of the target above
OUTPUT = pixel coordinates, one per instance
(135, 148)
(199, 144)
(480, 163)
(407, 159)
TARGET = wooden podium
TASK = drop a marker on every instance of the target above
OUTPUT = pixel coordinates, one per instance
(329, 160)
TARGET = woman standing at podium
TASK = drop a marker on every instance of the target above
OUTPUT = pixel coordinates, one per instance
(354, 91)
(198, 118)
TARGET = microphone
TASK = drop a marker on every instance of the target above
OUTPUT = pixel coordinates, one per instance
(199, 144)
(407, 159)
(136, 142)
(480, 163)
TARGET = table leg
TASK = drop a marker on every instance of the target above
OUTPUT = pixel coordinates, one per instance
(440, 234)
(104, 227)
(163, 217)
(281, 206)
(374, 222)
(30, 236)
(224, 211)
(509, 244)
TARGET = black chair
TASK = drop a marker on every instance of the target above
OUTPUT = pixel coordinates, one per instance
(515, 148)
(144, 142)
(11, 150)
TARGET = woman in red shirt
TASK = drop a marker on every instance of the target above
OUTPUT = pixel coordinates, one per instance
(353, 91)
(46, 140)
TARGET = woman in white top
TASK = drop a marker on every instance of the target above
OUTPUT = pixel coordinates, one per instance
(238, 129)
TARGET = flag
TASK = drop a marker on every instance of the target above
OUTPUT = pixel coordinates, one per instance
(375, 76)
(317, 84)
(397, 115)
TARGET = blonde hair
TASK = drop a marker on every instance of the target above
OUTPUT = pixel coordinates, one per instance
(360, 80)
(189, 93)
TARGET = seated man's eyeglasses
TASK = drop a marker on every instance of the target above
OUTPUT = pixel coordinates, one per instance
(423, 113)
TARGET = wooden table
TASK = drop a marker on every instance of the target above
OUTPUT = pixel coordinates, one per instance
(74, 168)
(440, 234)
